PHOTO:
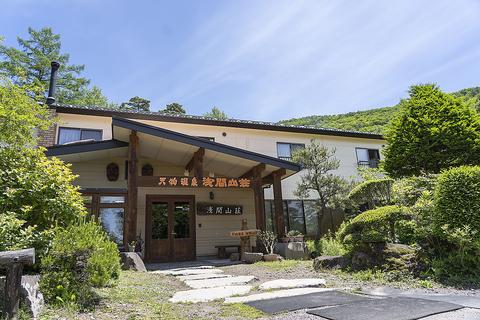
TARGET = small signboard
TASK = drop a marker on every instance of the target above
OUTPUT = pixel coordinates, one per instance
(194, 182)
(219, 209)
(244, 233)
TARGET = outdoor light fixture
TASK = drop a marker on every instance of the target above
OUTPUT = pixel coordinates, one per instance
(212, 195)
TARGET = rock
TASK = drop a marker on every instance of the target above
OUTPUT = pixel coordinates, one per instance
(330, 262)
(275, 294)
(235, 256)
(272, 257)
(292, 250)
(132, 261)
(292, 283)
(361, 260)
(30, 294)
(219, 282)
(252, 257)
(205, 295)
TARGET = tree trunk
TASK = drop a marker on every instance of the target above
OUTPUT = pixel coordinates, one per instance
(331, 221)
(320, 216)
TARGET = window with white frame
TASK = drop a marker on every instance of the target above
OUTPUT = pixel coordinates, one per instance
(367, 157)
(68, 135)
(286, 150)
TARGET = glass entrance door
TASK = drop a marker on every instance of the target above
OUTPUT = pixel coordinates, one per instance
(170, 228)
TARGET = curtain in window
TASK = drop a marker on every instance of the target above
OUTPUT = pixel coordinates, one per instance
(362, 155)
(66, 135)
(283, 150)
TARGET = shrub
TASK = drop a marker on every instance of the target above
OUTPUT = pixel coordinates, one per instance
(37, 195)
(378, 225)
(407, 191)
(81, 257)
(457, 198)
(373, 192)
(268, 239)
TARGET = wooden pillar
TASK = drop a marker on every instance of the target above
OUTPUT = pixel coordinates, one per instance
(196, 163)
(278, 201)
(131, 221)
(259, 198)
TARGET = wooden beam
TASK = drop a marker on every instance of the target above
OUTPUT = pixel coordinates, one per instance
(253, 171)
(196, 163)
(269, 179)
(131, 221)
(278, 201)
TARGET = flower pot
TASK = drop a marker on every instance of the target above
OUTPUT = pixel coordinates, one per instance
(298, 239)
(270, 257)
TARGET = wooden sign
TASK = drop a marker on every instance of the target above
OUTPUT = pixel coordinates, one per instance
(244, 233)
(207, 209)
(194, 182)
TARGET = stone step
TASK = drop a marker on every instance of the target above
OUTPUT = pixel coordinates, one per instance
(275, 294)
(219, 282)
(203, 276)
(210, 294)
(188, 272)
(292, 283)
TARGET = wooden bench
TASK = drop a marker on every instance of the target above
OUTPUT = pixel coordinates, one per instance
(222, 250)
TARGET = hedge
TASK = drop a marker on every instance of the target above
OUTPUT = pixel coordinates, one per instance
(371, 191)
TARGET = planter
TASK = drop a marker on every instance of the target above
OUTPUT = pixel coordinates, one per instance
(292, 239)
(270, 257)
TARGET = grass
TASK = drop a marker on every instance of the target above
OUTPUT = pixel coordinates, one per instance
(278, 265)
(241, 311)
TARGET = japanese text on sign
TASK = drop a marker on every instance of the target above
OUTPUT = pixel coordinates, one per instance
(218, 209)
(206, 182)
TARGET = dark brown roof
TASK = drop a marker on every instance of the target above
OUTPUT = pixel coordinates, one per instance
(249, 124)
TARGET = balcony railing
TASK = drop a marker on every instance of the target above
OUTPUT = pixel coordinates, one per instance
(370, 163)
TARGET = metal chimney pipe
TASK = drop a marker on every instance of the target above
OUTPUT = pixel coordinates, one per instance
(53, 82)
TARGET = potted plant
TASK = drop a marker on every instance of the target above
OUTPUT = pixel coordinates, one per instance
(132, 245)
(295, 236)
(268, 240)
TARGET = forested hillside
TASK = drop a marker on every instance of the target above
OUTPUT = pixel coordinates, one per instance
(373, 120)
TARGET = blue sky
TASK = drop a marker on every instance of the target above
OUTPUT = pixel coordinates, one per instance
(262, 60)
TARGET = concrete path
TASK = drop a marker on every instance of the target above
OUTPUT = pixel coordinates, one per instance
(203, 276)
(189, 272)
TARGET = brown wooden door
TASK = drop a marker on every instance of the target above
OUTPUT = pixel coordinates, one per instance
(170, 228)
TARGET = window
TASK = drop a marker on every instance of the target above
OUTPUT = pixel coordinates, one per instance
(67, 135)
(110, 210)
(285, 150)
(368, 157)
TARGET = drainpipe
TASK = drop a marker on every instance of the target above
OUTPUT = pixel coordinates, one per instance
(53, 82)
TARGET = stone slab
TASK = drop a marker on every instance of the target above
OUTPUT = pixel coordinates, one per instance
(276, 294)
(292, 283)
(188, 272)
(210, 294)
(219, 282)
(203, 276)
(132, 261)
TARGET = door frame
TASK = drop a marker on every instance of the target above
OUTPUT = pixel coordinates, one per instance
(148, 221)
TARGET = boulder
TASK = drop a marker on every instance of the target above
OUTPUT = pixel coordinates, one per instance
(361, 260)
(330, 262)
(292, 250)
(132, 261)
(252, 257)
(30, 294)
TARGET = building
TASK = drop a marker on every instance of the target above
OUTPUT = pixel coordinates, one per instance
(183, 183)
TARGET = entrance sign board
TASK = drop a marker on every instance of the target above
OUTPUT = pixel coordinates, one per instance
(218, 209)
(194, 182)
(244, 233)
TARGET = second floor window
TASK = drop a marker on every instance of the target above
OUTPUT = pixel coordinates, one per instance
(66, 135)
(368, 157)
(286, 150)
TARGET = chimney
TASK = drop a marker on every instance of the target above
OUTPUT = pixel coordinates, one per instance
(53, 82)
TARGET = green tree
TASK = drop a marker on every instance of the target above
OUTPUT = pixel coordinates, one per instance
(433, 131)
(216, 113)
(174, 108)
(29, 64)
(318, 177)
(20, 115)
(137, 104)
